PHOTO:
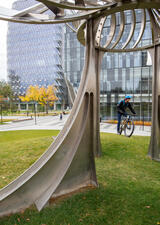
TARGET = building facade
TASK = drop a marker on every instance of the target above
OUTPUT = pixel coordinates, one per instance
(121, 73)
(34, 54)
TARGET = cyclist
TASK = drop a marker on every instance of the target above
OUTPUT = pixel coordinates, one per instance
(121, 106)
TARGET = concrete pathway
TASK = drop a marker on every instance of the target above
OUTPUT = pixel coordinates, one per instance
(54, 122)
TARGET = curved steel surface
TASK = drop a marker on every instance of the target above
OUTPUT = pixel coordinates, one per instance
(112, 30)
(106, 9)
(143, 24)
(121, 8)
(116, 50)
(121, 29)
(68, 164)
(99, 31)
(132, 29)
(154, 148)
(69, 5)
(33, 18)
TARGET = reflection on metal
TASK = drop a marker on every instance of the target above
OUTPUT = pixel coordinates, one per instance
(69, 164)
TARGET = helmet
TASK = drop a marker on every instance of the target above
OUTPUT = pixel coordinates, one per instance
(128, 97)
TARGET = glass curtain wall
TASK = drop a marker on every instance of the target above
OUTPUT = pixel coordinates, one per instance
(127, 73)
(73, 57)
(34, 53)
(121, 73)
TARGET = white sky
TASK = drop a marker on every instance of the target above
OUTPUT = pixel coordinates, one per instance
(3, 39)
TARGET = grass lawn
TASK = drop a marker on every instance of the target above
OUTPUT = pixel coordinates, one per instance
(129, 182)
(19, 149)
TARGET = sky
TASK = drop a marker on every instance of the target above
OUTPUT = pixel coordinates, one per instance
(3, 39)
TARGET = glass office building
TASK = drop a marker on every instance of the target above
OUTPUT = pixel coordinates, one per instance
(73, 57)
(121, 73)
(34, 53)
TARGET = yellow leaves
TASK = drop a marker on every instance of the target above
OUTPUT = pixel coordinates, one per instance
(44, 96)
(24, 99)
(48, 95)
(32, 94)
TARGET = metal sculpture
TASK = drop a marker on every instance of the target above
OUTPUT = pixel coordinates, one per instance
(69, 164)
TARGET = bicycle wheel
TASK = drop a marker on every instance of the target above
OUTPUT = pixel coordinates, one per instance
(129, 128)
(120, 129)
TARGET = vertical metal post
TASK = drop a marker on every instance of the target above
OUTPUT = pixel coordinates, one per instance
(35, 113)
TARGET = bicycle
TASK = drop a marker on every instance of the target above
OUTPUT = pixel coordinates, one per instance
(127, 125)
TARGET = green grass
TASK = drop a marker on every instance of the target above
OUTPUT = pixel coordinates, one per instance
(129, 183)
(18, 151)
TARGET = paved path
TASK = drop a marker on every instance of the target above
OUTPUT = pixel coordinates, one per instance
(53, 122)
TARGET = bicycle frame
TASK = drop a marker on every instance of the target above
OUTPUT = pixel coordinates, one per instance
(124, 122)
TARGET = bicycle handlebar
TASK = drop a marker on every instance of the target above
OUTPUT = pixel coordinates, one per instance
(125, 115)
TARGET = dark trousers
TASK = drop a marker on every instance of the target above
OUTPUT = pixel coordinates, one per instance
(119, 121)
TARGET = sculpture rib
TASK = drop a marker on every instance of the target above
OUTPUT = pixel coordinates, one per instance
(143, 24)
(68, 164)
(34, 18)
(112, 31)
(121, 29)
(77, 7)
(132, 29)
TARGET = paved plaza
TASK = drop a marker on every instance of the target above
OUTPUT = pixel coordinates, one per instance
(54, 122)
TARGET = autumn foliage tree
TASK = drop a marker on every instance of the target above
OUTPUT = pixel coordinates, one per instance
(32, 94)
(43, 96)
(47, 96)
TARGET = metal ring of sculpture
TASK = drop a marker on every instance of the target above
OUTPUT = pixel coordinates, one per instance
(69, 164)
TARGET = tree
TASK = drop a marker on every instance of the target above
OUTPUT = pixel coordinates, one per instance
(47, 96)
(6, 95)
(44, 96)
(6, 90)
(32, 94)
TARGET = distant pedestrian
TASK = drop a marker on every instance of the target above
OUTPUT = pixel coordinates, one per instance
(60, 116)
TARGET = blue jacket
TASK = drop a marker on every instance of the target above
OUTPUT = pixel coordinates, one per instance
(122, 105)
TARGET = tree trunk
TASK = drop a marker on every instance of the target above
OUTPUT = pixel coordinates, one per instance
(47, 109)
